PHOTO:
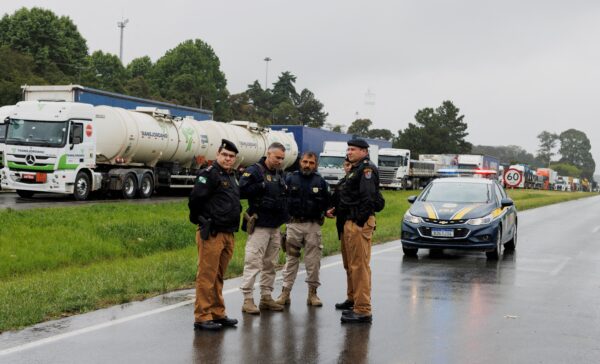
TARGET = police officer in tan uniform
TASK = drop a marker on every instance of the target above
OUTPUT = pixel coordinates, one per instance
(215, 207)
(359, 199)
(263, 184)
(308, 199)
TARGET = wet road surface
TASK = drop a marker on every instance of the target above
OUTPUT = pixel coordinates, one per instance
(538, 305)
(43, 200)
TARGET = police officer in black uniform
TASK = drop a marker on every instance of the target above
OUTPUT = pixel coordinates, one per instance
(359, 199)
(263, 184)
(308, 200)
(214, 206)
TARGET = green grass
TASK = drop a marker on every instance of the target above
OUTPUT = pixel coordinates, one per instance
(60, 261)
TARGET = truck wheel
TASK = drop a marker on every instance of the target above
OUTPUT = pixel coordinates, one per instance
(146, 187)
(129, 188)
(82, 188)
(25, 194)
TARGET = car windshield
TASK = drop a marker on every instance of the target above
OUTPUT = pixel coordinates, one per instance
(39, 133)
(331, 162)
(457, 192)
(390, 161)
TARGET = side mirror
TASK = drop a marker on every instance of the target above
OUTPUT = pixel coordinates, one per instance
(412, 199)
(506, 202)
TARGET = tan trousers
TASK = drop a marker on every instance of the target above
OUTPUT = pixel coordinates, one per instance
(358, 241)
(214, 255)
(262, 250)
(345, 261)
(307, 235)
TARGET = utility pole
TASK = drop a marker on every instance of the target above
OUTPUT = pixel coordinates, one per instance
(267, 60)
(122, 25)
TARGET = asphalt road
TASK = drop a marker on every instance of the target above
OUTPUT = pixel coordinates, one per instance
(538, 305)
(43, 200)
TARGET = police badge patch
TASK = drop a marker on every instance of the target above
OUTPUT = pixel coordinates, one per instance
(201, 179)
(368, 173)
(315, 189)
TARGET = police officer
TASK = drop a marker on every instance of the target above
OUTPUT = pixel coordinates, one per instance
(308, 200)
(215, 207)
(359, 199)
(263, 184)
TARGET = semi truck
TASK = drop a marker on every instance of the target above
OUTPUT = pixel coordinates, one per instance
(473, 162)
(92, 96)
(76, 148)
(548, 178)
(331, 160)
(398, 171)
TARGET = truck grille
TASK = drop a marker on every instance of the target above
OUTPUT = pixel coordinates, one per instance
(386, 176)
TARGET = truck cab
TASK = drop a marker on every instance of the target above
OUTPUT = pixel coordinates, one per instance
(331, 160)
(49, 147)
(393, 167)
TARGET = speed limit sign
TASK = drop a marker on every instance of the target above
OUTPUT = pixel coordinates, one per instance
(513, 177)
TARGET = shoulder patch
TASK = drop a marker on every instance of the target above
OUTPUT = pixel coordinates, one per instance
(201, 179)
(368, 173)
(246, 174)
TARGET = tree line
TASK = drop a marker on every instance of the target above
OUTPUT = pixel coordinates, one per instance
(39, 47)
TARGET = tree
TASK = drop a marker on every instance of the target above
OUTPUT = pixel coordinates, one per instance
(54, 43)
(16, 69)
(384, 134)
(360, 127)
(286, 114)
(548, 142)
(190, 74)
(437, 131)
(566, 169)
(284, 89)
(140, 67)
(310, 110)
(575, 150)
(105, 71)
(511, 154)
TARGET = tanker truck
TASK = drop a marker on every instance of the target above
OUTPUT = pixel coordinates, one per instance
(77, 148)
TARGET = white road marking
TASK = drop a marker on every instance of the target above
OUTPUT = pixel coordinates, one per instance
(92, 328)
(560, 266)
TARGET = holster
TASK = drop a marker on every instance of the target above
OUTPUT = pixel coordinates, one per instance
(204, 227)
(249, 222)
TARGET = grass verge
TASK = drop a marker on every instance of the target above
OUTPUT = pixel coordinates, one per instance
(56, 262)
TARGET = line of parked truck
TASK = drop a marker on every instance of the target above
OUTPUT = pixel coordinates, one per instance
(77, 140)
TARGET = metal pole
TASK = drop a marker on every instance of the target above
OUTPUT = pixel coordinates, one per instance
(122, 25)
(267, 60)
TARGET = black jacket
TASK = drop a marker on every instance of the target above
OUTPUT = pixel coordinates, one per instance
(308, 195)
(359, 191)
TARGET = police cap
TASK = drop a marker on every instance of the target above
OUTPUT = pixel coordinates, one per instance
(358, 143)
(226, 144)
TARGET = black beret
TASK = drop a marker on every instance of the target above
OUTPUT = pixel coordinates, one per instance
(226, 144)
(358, 143)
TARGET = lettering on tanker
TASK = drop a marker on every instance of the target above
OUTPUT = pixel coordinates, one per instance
(154, 134)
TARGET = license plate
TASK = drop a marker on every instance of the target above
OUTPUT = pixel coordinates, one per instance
(442, 233)
(29, 177)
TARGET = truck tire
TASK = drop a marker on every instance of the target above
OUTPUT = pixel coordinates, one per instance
(146, 186)
(82, 187)
(129, 188)
(25, 194)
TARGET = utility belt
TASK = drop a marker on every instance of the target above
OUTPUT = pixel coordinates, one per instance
(298, 220)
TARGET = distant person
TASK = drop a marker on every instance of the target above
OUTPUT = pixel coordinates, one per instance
(308, 200)
(215, 207)
(263, 184)
(359, 199)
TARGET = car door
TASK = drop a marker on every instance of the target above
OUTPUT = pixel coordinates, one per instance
(509, 216)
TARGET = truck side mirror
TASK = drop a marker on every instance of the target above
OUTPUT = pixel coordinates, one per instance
(412, 199)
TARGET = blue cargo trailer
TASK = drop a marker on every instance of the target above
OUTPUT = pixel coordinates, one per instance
(312, 139)
(88, 95)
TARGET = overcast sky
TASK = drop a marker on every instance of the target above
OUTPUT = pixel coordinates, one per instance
(514, 68)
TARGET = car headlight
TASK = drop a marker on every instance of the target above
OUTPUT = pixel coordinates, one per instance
(481, 220)
(408, 217)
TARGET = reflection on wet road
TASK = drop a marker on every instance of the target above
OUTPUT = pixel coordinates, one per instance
(539, 304)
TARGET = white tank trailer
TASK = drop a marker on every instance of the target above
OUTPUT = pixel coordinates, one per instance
(77, 148)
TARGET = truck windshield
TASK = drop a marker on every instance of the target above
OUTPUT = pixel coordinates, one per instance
(38, 133)
(391, 161)
(2, 132)
(331, 162)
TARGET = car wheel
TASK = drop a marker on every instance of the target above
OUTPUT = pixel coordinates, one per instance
(512, 243)
(129, 186)
(411, 252)
(495, 254)
(82, 187)
(25, 194)
(146, 187)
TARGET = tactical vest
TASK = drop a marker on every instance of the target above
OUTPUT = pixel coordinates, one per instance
(306, 196)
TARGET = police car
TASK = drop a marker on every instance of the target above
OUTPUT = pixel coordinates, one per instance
(460, 213)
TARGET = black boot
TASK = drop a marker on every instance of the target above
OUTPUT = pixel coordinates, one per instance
(357, 318)
(346, 305)
(207, 325)
(226, 321)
